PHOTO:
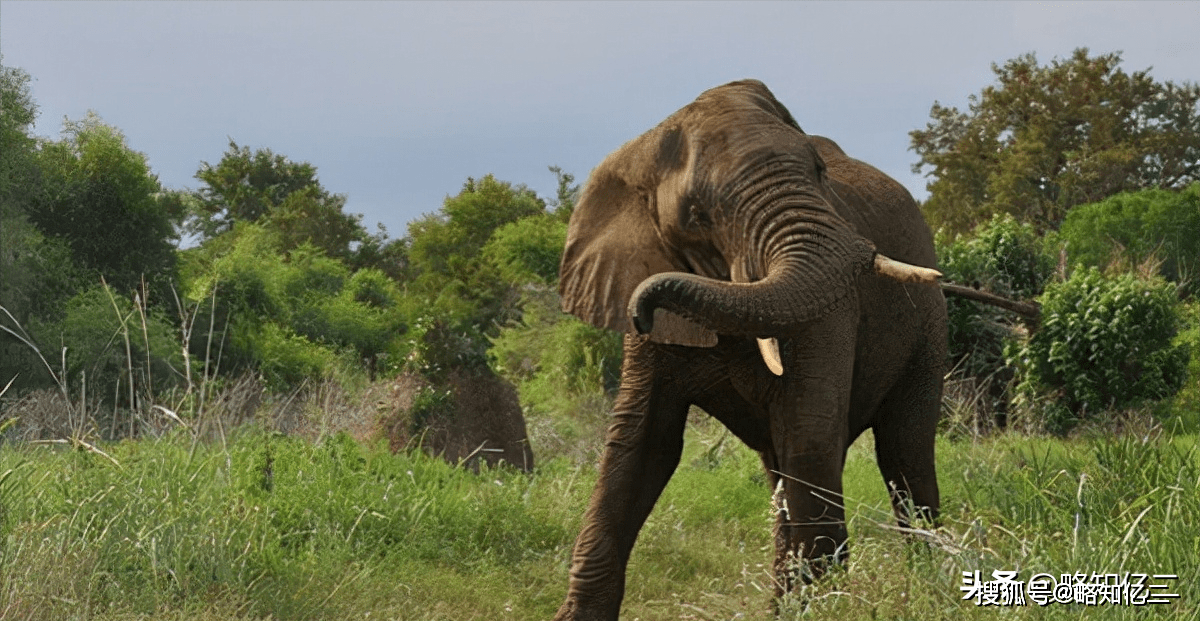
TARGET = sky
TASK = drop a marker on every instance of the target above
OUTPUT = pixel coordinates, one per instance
(398, 103)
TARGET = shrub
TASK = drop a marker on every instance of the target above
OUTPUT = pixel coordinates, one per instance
(550, 356)
(286, 359)
(291, 318)
(95, 330)
(1006, 258)
(1104, 342)
(1133, 228)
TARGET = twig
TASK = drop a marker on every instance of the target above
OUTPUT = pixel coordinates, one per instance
(1029, 311)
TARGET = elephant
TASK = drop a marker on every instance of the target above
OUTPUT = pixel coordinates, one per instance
(781, 286)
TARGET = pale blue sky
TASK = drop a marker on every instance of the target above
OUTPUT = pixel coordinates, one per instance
(397, 103)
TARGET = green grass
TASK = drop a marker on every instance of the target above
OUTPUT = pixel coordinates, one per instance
(272, 527)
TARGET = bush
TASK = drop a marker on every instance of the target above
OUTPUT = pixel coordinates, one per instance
(286, 359)
(1134, 228)
(292, 318)
(1006, 258)
(551, 356)
(95, 330)
(1187, 402)
(1104, 342)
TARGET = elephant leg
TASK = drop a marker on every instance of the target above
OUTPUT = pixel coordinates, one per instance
(905, 430)
(809, 430)
(643, 447)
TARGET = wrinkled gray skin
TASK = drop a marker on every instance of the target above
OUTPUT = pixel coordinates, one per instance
(726, 223)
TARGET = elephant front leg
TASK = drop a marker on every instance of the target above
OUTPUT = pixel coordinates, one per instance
(810, 519)
(809, 432)
(642, 450)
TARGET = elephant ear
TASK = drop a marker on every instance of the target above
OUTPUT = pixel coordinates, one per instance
(612, 246)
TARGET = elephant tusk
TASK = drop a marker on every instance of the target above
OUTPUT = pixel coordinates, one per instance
(904, 272)
(769, 348)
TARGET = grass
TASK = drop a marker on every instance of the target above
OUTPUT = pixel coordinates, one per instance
(267, 526)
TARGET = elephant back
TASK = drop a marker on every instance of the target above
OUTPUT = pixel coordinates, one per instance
(878, 207)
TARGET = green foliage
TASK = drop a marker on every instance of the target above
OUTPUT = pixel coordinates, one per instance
(1003, 256)
(1103, 343)
(244, 186)
(445, 248)
(1187, 402)
(312, 216)
(1006, 258)
(566, 195)
(284, 358)
(528, 250)
(18, 166)
(555, 358)
(100, 197)
(294, 318)
(107, 336)
(435, 347)
(263, 187)
(1046, 138)
(429, 405)
(1128, 230)
(465, 298)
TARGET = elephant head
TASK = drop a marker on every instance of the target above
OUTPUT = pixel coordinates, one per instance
(717, 221)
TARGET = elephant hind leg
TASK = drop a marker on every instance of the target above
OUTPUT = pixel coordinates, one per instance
(905, 431)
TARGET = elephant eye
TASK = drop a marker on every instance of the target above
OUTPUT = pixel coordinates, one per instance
(697, 217)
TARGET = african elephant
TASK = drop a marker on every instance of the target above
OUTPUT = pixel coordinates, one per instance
(764, 276)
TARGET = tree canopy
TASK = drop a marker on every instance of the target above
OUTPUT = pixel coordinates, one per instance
(99, 196)
(254, 186)
(1045, 138)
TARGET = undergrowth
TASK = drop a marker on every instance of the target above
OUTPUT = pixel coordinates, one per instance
(268, 526)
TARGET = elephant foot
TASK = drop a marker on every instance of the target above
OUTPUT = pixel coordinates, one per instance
(792, 570)
(571, 610)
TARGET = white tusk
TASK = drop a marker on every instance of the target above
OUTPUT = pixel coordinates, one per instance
(904, 272)
(769, 348)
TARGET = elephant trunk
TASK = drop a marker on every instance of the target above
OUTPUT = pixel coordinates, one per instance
(809, 258)
(795, 291)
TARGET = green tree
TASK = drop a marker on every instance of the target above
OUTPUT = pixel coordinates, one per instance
(259, 186)
(244, 186)
(18, 167)
(468, 300)
(1003, 257)
(566, 196)
(528, 250)
(293, 317)
(38, 274)
(99, 196)
(1046, 138)
(312, 216)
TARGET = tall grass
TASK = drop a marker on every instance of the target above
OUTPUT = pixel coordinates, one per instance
(278, 527)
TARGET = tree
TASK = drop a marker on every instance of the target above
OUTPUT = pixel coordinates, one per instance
(1046, 138)
(528, 250)
(567, 194)
(17, 145)
(99, 196)
(37, 273)
(311, 215)
(467, 299)
(259, 186)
